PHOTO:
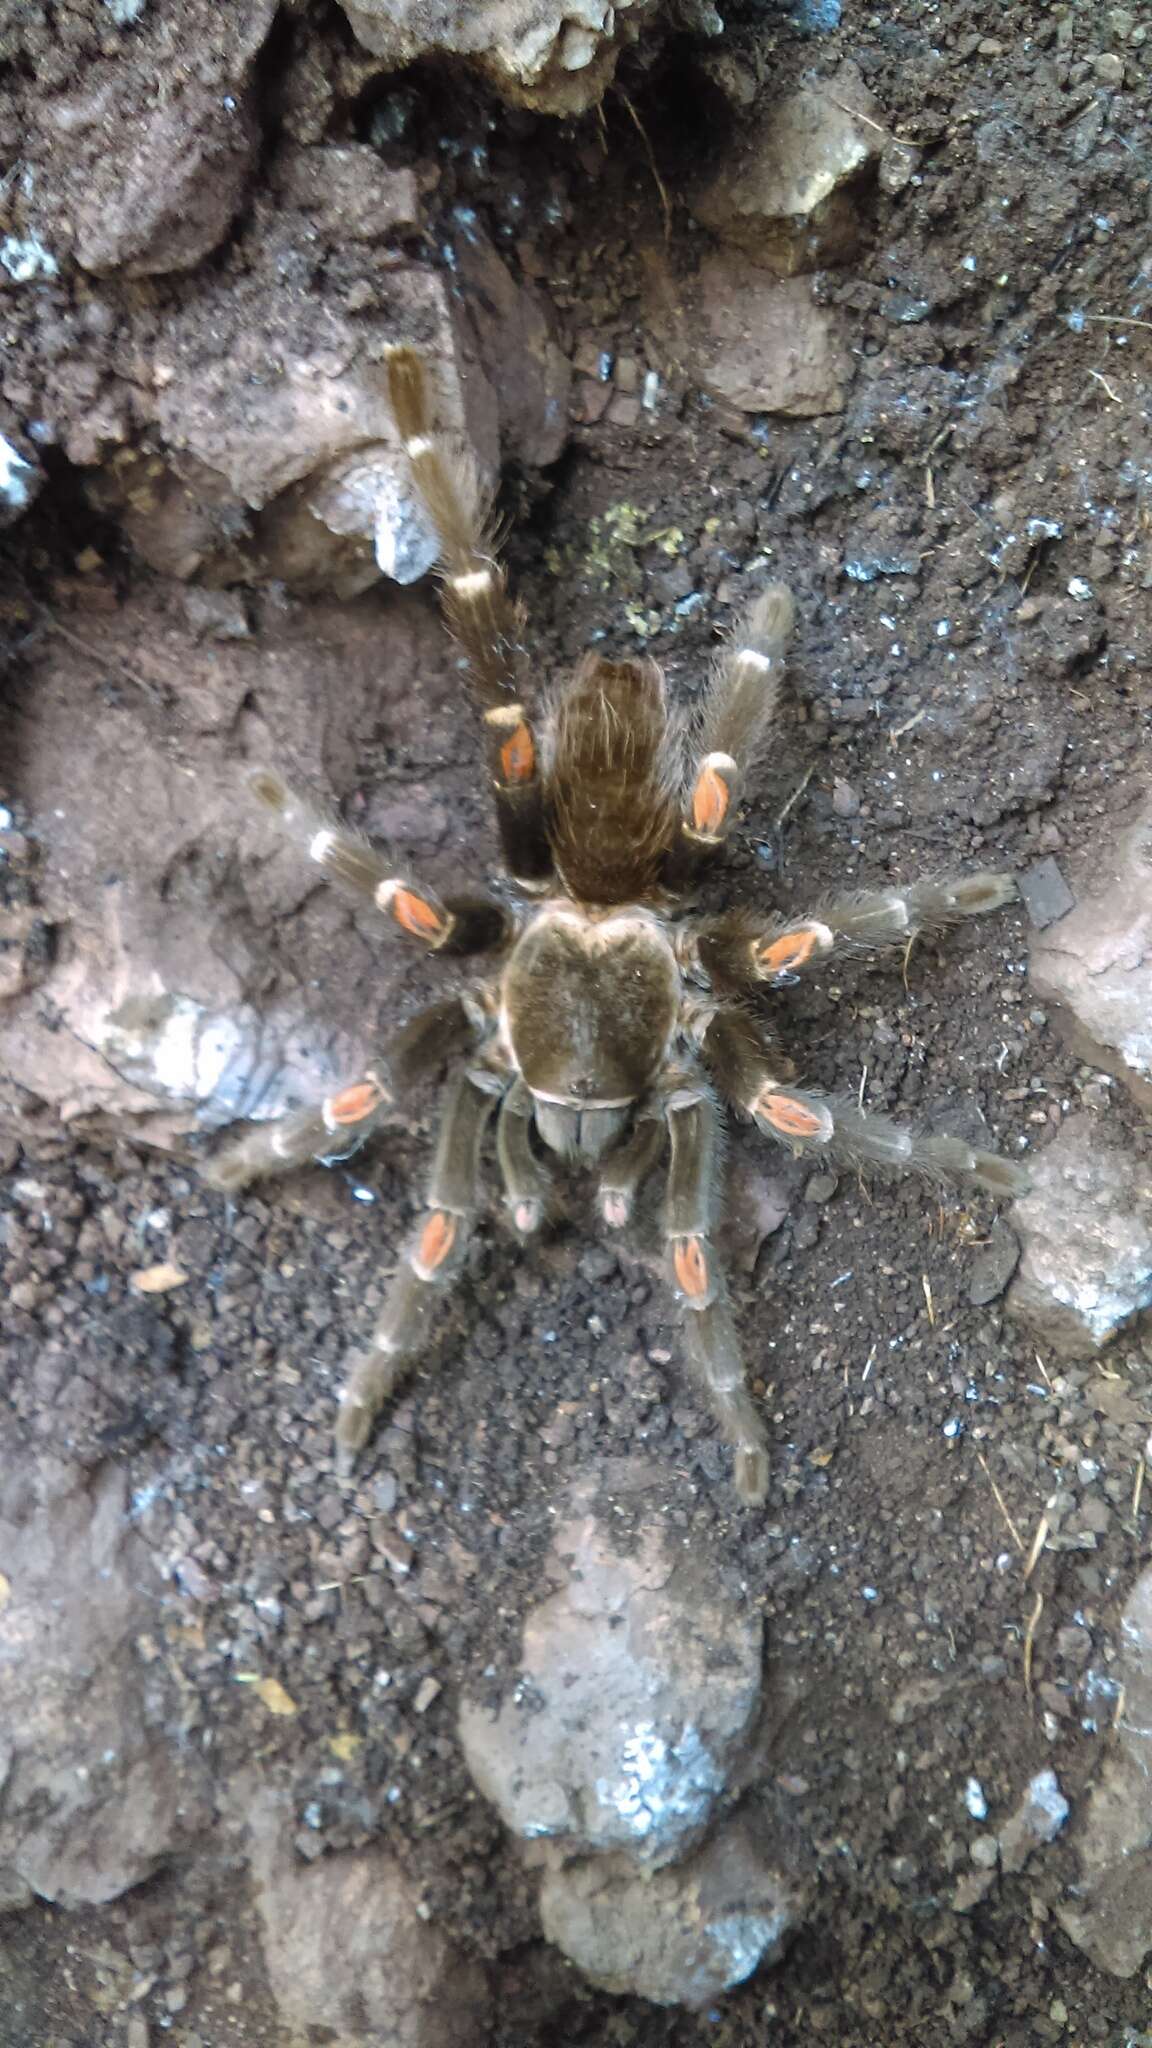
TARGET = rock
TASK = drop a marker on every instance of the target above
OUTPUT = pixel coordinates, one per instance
(1109, 1912)
(1045, 892)
(1095, 964)
(170, 201)
(346, 1947)
(188, 942)
(638, 1689)
(759, 342)
(20, 473)
(1086, 1231)
(348, 192)
(789, 190)
(1038, 1819)
(521, 358)
(557, 56)
(679, 1936)
(99, 1788)
(994, 1264)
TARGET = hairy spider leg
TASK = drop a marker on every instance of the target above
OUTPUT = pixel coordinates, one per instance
(738, 711)
(739, 950)
(806, 1122)
(690, 1209)
(487, 624)
(338, 1126)
(460, 924)
(431, 1261)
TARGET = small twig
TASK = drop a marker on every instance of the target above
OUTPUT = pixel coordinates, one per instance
(1102, 379)
(1118, 320)
(929, 489)
(1038, 1542)
(642, 132)
(898, 731)
(796, 795)
(1029, 1639)
(1001, 1503)
(926, 1284)
(1043, 1371)
(1137, 1489)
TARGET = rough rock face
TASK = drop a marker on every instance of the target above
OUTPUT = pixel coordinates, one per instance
(758, 342)
(789, 188)
(1086, 1231)
(555, 55)
(1109, 1915)
(20, 473)
(639, 1685)
(347, 1949)
(172, 201)
(188, 983)
(97, 1788)
(1096, 963)
(680, 1936)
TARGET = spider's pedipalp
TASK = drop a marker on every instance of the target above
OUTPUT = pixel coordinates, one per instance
(738, 710)
(486, 622)
(432, 1259)
(625, 1169)
(525, 1181)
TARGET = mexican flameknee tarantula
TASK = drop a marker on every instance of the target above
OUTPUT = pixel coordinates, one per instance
(614, 1024)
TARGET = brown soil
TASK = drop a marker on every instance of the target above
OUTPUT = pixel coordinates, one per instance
(962, 708)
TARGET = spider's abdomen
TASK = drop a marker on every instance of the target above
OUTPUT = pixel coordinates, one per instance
(589, 1005)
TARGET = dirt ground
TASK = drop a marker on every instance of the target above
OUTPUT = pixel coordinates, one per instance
(957, 698)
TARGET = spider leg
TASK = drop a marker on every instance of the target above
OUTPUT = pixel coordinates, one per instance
(689, 1218)
(486, 622)
(742, 951)
(452, 924)
(524, 1177)
(751, 1077)
(738, 710)
(338, 1126)
(432, 1259)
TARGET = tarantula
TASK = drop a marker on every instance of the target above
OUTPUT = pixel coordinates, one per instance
(615, 1023)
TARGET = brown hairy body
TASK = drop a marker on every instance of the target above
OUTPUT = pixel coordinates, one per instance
(615, 1027)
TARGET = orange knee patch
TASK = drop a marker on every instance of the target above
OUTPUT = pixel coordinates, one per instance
(353, 1104)
(518, 755)
(710, 800)
(414, 914)
(793, 1118)
(690, 1265)
(437, 1237)
(787, 953)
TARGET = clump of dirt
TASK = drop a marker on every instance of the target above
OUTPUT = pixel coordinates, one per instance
(968, 544)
